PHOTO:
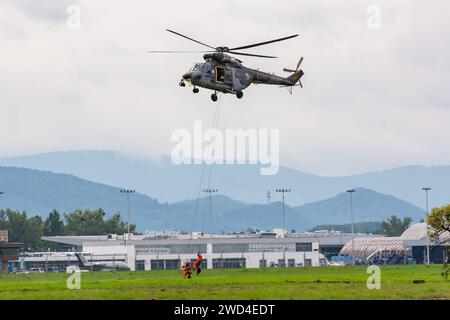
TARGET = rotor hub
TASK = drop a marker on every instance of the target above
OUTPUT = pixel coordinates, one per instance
(223, 49)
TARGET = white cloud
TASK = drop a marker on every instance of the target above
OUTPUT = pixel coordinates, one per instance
(372, 99)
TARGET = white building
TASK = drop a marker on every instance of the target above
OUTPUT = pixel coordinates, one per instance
(154, 252)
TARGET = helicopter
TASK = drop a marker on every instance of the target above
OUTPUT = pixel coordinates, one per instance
(221, 72)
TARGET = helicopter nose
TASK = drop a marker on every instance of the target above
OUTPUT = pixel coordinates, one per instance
(187, 76)
(196, 75)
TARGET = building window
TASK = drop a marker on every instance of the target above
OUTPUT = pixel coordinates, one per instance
(263, 263)
(170, 249)
(308, 263)
(140, 265)
(157, 264)
(281, 263)
(291, 263)
(173, 264)
(271, 247)
(230, 247)
(230, 263)
(303, 246)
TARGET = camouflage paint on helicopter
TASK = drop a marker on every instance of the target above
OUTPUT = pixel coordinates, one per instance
(223, 73)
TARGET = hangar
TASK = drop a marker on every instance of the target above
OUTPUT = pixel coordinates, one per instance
(412, 244)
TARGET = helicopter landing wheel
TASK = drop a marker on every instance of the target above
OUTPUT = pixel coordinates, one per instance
(182, 84)
(239, 94)
(195, 90)
(214, 97)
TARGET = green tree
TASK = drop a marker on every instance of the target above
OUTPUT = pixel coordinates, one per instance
(439, 222)
(116, 225)
(88, 222)
(439, 231)
(394, 226)
(85, 222)
(23, 229)
(35, 233)
(54, 226)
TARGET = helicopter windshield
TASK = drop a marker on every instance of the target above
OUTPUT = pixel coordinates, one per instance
(196, 67)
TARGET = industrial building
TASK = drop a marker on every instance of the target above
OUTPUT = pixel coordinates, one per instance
(9, 253)
(169, 250)
(159, 250)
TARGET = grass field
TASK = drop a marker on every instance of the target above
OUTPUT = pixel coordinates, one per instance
(301, 283)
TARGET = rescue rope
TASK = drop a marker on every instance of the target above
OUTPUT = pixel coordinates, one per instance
(215, 124)
(210, 167)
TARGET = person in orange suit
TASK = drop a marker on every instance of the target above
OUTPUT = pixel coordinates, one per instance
(187, 270)
(198, 263)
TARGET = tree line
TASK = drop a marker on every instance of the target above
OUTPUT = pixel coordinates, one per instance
(29, 230)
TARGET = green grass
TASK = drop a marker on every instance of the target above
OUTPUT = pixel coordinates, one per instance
(301, 283)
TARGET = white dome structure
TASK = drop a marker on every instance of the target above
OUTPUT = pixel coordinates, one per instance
(417, 231)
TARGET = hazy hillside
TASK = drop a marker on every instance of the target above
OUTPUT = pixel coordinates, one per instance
(230, 215)
(166, 181)
(38, 192)
(171, 183)
(368, 205)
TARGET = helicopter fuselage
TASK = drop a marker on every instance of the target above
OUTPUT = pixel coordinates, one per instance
(223, 73)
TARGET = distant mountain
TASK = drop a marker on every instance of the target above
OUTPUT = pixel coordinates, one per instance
(171, 183)
(231, 215)
(368, 205)
(39, 192)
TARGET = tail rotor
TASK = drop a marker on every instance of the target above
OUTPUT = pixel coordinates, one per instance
(299, 63)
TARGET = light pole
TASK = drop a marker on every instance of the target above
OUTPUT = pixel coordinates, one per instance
(1, 193)
(352, 224)
(426, 189)
(210, 192)
(128, 192)
(283, 191)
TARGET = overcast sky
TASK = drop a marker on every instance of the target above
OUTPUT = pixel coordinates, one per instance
(372, 99)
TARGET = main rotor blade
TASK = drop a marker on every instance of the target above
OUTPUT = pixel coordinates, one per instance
(186, 37)
(169, 51)
(263, 43)
(250, 54)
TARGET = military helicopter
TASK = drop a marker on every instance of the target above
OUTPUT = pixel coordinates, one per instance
(224, 73)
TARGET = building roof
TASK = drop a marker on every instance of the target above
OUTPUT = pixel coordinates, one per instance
(12, 245)
(334, 239)
(417, 231)
(364, 248)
